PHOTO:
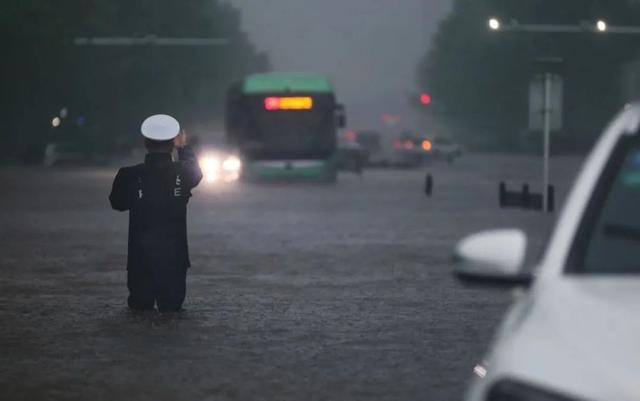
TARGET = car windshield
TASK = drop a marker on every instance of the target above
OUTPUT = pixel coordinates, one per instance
(609, 239)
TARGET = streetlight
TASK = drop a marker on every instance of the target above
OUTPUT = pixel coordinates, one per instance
(601, 26)
(494, 24)
(55, 122)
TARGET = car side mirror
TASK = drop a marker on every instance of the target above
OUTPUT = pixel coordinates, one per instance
(341, 116)
(493, 257)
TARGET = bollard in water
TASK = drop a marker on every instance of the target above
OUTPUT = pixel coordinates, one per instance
(526, 196)
(428, 185)
(525, 199)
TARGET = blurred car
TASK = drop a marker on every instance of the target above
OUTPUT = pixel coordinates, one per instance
(351, 155)
(69, 154)
(62, 153)
(573, 335)
(410, 150)
(446, 149)
(413, 150)
(378, 150)
(406, 149)
(371, 143)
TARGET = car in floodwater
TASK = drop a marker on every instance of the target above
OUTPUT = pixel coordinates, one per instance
(573, 333)
(446, 149)
(371, 143)
(403, 150)
(351, 155)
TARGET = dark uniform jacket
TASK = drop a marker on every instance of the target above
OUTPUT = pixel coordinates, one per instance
(156, 194)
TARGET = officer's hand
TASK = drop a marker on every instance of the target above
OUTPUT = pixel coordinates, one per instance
(181, 140)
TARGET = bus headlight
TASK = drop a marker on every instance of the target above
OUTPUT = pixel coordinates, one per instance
(232, 164)
(210, 167)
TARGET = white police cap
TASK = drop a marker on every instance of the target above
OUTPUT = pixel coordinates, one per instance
(160, 127)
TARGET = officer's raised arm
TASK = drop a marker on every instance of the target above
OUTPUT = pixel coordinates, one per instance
(119, 197)
(191, 169)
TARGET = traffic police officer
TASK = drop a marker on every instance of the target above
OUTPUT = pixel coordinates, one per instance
(156, 194)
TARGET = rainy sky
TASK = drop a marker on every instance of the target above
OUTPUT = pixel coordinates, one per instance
(370, 48)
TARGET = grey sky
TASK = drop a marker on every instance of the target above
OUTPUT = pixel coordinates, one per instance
(370, 48)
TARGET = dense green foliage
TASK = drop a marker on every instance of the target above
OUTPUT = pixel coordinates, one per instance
(480, 78)
(113, 88)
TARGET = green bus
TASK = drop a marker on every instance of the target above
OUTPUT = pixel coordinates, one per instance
(283, 126)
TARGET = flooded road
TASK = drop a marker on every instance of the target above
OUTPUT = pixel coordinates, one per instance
(297, 292)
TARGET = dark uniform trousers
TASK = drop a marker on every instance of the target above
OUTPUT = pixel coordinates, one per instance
(165, 286)
(156, 194)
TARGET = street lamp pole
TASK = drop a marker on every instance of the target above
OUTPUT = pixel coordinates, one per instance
(547, 140)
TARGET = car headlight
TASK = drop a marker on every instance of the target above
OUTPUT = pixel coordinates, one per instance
(509, 390)
(210, 167)
(232, 164)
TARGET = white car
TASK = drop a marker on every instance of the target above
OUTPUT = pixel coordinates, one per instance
(575, 333)
(445, 149)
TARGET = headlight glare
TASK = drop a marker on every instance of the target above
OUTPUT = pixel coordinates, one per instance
(210, 167)
(232, 164)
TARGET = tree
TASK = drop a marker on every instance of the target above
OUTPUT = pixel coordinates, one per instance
(481, 77)
(113, 88)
